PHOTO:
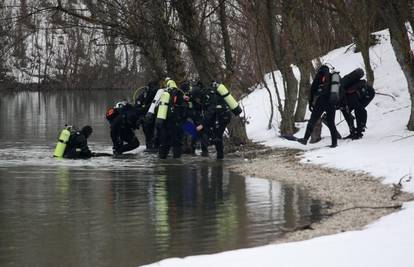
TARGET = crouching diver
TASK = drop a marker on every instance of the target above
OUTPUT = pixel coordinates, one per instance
(73, 144)
(123, 120)
(324, 96)
(358, 94)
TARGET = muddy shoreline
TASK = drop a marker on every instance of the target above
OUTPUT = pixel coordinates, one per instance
(354, 199)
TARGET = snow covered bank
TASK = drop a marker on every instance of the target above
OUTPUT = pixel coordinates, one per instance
(381, 244)
(387, 147)
(385, 151)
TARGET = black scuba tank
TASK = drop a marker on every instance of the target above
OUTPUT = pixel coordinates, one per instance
(352, 78)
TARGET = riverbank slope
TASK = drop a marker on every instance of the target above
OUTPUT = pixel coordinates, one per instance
(385, 152)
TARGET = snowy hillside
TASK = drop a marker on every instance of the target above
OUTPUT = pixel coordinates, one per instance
(386, 150)
(386, 140)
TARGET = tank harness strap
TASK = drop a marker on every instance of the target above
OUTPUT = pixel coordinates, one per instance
(228, 93)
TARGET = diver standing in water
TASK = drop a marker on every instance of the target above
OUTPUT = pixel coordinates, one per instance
(143, 103)
(217, 108)
(170, 118)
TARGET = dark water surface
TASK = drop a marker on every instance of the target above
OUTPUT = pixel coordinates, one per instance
(122, 211)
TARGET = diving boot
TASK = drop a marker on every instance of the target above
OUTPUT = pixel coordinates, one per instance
(303, 141)
(116, 151)
(352, 134)
(357, 135)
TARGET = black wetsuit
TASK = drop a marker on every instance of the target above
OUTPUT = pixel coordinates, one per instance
(215, 120)
(77, 147)
(143, 102)
(122, 129)
(357, 97)
(197, 112)
(171, 131)
(319, 102)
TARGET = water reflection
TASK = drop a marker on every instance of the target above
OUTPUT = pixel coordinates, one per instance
(37, 117)
(124, 211)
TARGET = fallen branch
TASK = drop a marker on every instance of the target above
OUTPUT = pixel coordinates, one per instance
(397, 187)
(298, 228)
(395, 109)
(383, 94)
(398, 206)
(402, 138)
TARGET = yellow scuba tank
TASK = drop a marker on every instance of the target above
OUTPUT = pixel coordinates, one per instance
(62, 142)
(231, 102)
(163, 107)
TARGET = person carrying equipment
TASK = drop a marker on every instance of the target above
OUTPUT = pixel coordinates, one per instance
(324, 97)
(358, 94)
(73, 143)
(217, 116)
(123, 120)
(171, 115)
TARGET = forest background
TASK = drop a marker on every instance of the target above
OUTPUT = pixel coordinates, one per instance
(123, 44)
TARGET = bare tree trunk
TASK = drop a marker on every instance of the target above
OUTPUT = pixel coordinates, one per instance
(367, 63)
(316, 133)
(358, 19)
(401, 44)
(287, 125)
(196, 40)
(281, 52)
(226, 42)
(165, 37)
(304, 89)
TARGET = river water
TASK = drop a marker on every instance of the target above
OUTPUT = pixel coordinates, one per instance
(123, 211)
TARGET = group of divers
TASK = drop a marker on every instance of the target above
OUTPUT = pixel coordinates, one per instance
(194, 112)
(199, 115)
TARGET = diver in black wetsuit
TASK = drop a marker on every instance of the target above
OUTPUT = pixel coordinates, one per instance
(358, 94)
(77, 147)
(143, 102)
(123, 121)
(319, 102)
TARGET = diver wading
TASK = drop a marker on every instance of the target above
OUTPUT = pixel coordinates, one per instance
(171, 115)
